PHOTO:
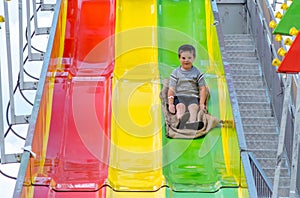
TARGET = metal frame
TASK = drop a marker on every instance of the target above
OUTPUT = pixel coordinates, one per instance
(275, 2)
(27, 152)
(280, 149)
(268, 34)
(7, 158)
(266, 27)
(2, 149)
(23, 85)
(44, 7)
(37, 31)
(296, 141)
(9, 63)
(22, 119)
(31, 56)
(47, 7)
(287, 81)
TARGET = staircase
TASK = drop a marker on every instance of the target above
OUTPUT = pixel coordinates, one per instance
(259, 124)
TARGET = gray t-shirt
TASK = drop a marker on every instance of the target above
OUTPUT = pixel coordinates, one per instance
(186, 83)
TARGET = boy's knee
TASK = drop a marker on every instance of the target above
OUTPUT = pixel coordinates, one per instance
(180, 106)
(193, 107)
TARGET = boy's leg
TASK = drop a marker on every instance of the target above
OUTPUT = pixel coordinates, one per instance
(207, 96)
(180, 108)
(193, 109)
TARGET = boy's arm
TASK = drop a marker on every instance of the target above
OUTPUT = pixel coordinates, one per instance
(202, 91)
(171, 94)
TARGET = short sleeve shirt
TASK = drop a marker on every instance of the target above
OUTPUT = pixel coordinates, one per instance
(186, 83)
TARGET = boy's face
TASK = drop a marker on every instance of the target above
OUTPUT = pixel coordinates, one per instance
(186, 59)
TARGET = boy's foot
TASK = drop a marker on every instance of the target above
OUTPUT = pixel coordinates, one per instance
(194, 125)
(182, 121)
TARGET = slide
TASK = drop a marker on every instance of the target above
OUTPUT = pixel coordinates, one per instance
(100, 130)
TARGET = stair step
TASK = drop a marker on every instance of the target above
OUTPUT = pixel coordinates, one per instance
(268, 163)
(248, 85)
(283, 181)
(238, 59)
(243, 66)
(259, 145)
(269, 154)
(254, 99)
(235, 71)
(239, 47)
(256, 112)
(237, 36)
(254, 105)
(240, 41)
(254, 92)
(262, 136)
(270, 172)
(263, 153)
(258, 120)
(244, 53)
(284, 192)
(250, 128)
(251, 78)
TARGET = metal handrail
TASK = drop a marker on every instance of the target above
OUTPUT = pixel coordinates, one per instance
(9, 62)
(266, 26)
(286, 80)
(263, 185)
(237, 118)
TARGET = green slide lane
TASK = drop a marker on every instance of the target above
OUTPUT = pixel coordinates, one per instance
(211, 162)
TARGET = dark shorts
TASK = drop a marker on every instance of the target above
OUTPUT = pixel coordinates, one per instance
(187, 100)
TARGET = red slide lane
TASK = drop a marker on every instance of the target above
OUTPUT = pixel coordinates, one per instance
(77, 148)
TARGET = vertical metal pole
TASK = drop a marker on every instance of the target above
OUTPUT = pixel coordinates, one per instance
(2, 142)
(273, 4)
(28, 29)
(287, 96)
(21, 74)
(35, 16)
(296, 141)
(9, 64)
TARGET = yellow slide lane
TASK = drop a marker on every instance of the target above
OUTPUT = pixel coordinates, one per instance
(136, 144)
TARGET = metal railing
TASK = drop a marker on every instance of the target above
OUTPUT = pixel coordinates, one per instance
(27, 152)
(263, 186)
(259, 15)
(252, 189)
(15, 66)
(282, 89)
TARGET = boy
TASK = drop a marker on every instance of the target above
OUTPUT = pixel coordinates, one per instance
(187, 90)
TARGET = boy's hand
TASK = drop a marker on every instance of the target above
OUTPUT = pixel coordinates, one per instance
(172, 108)
(202, 107)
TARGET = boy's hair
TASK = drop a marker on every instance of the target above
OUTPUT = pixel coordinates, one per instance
(186, 47)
